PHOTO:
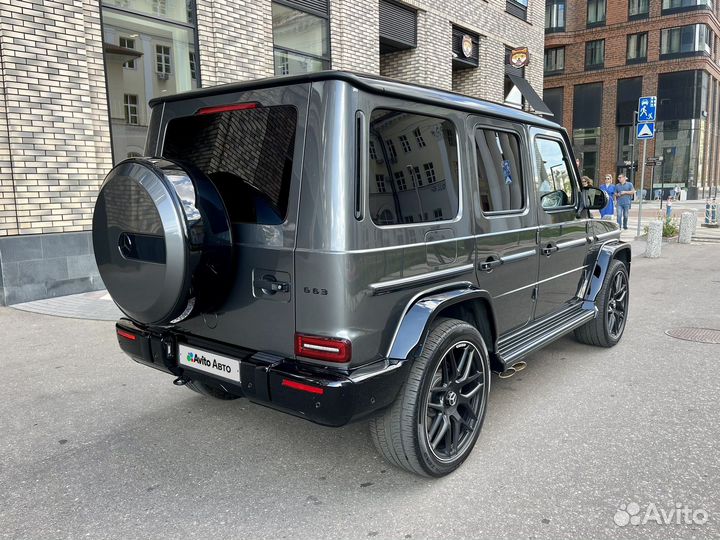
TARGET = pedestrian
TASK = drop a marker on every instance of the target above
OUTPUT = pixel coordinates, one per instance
(608, 211)
(624, 192)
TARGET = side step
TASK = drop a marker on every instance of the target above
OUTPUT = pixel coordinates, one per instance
(513, 347)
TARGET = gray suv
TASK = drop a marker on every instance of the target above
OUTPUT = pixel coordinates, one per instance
(342, 247)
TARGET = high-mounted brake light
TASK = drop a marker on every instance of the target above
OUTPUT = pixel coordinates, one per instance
(322, 348)
(227, 108)
(126, 335)
(302, 387)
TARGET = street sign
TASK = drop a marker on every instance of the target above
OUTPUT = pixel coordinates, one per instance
(646, 109)
(652, 161)
(646, 130)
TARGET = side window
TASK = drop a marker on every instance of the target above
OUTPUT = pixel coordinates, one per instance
(554, 183)
(420, 184)
(499, 173)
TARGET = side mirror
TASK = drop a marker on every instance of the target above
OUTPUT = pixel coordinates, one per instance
(594, 198)
(554, 199)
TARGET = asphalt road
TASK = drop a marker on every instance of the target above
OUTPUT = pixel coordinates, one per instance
(93, 445)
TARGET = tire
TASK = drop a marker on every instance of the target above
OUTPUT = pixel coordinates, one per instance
(409, 433)
(210, 391)
(607, 329)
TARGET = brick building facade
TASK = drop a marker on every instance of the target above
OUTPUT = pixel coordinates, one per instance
(75, 77)
(602, 55)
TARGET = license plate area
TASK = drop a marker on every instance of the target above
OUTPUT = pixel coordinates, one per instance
(209, 362)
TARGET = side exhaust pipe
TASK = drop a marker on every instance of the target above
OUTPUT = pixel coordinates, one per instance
(517, 367)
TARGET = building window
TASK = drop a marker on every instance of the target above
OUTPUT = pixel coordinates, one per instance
(438, 214)
(596, 12)
(587, 119)
(400, 180)
(193, 66)
(131, 109)
(692, 40)
(300, 39)
(405, 143)
(419, 138)
(138, 27)
(638, 9)
(392, 151)
(554, 16)
(637, 48)
(595, 54)
(380, 183)
(159, 7)
(676, 6)
(373, 151)
(418, 176)
(128, 43)
(553, 98)
(554, 60)
(429, 172)
(517, 8)
(162, 59)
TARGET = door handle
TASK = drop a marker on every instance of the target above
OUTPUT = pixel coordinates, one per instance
(549, 249)
(271, 286)
(488, 264)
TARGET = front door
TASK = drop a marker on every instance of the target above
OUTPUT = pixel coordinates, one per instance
(505, 227)
(563, 236)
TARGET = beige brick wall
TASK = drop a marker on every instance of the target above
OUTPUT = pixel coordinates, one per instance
(354, 29)
(54, 111)
(235, 40)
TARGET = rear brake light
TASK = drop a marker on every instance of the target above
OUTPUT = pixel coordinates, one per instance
(302, 387)
(126, 335)
(227, 108)
(322, 348)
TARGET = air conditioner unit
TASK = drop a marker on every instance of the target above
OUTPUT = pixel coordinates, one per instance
(161, 75)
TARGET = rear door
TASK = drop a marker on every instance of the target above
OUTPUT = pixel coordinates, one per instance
(563, 235)
(505, 226)
(250, 144)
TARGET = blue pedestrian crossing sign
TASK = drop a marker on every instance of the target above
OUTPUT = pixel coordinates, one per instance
(646, 109)
(646, 130)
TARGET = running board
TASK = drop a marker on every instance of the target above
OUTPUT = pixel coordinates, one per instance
(514, 347)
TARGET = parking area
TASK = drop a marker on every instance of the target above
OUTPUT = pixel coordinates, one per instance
(94, 445)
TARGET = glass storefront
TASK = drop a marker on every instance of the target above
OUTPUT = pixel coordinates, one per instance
(150, 50)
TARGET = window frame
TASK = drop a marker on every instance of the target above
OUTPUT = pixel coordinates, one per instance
(552, 7)
(384, 105)
(326, 61)
(557, 71)
(167, 66)
(512, 130)
(127, 109)
(640, 14)
(597, 23)
(601, 65)
(567, 155)
(637, 59)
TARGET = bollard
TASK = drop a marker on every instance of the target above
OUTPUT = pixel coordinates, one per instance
(654, 239)
(688, 220)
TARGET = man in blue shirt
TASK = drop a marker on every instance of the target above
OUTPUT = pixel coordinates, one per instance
(624, 192)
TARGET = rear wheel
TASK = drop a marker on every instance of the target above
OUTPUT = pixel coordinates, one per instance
(612, 303)
(434, 424)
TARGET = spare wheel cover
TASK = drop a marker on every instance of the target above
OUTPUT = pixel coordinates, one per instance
(148, 232)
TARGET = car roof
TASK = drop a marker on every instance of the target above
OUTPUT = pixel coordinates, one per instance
(375, 85)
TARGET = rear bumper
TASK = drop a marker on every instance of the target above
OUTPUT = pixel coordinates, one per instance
(318, 395)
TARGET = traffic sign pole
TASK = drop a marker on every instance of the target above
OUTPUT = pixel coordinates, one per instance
(642, 183)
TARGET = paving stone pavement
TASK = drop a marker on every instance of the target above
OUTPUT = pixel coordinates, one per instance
(95, 305)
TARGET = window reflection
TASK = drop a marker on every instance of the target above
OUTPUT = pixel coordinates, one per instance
(149, 48)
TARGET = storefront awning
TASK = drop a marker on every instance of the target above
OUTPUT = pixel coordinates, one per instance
(529, 94)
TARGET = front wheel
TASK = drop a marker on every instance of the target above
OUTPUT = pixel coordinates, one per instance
(435, 421)
(612, 303)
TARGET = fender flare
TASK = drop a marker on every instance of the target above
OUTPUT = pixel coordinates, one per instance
(414, 325)
(606, 254)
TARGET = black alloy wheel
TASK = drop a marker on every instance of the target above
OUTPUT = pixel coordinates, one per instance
(454, 402)
(617, 305)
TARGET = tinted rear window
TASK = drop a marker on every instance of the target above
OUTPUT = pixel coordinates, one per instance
(248, 155)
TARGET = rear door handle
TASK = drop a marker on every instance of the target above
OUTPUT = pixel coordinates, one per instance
(488, 264)
(549, 249)
(271, 286)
